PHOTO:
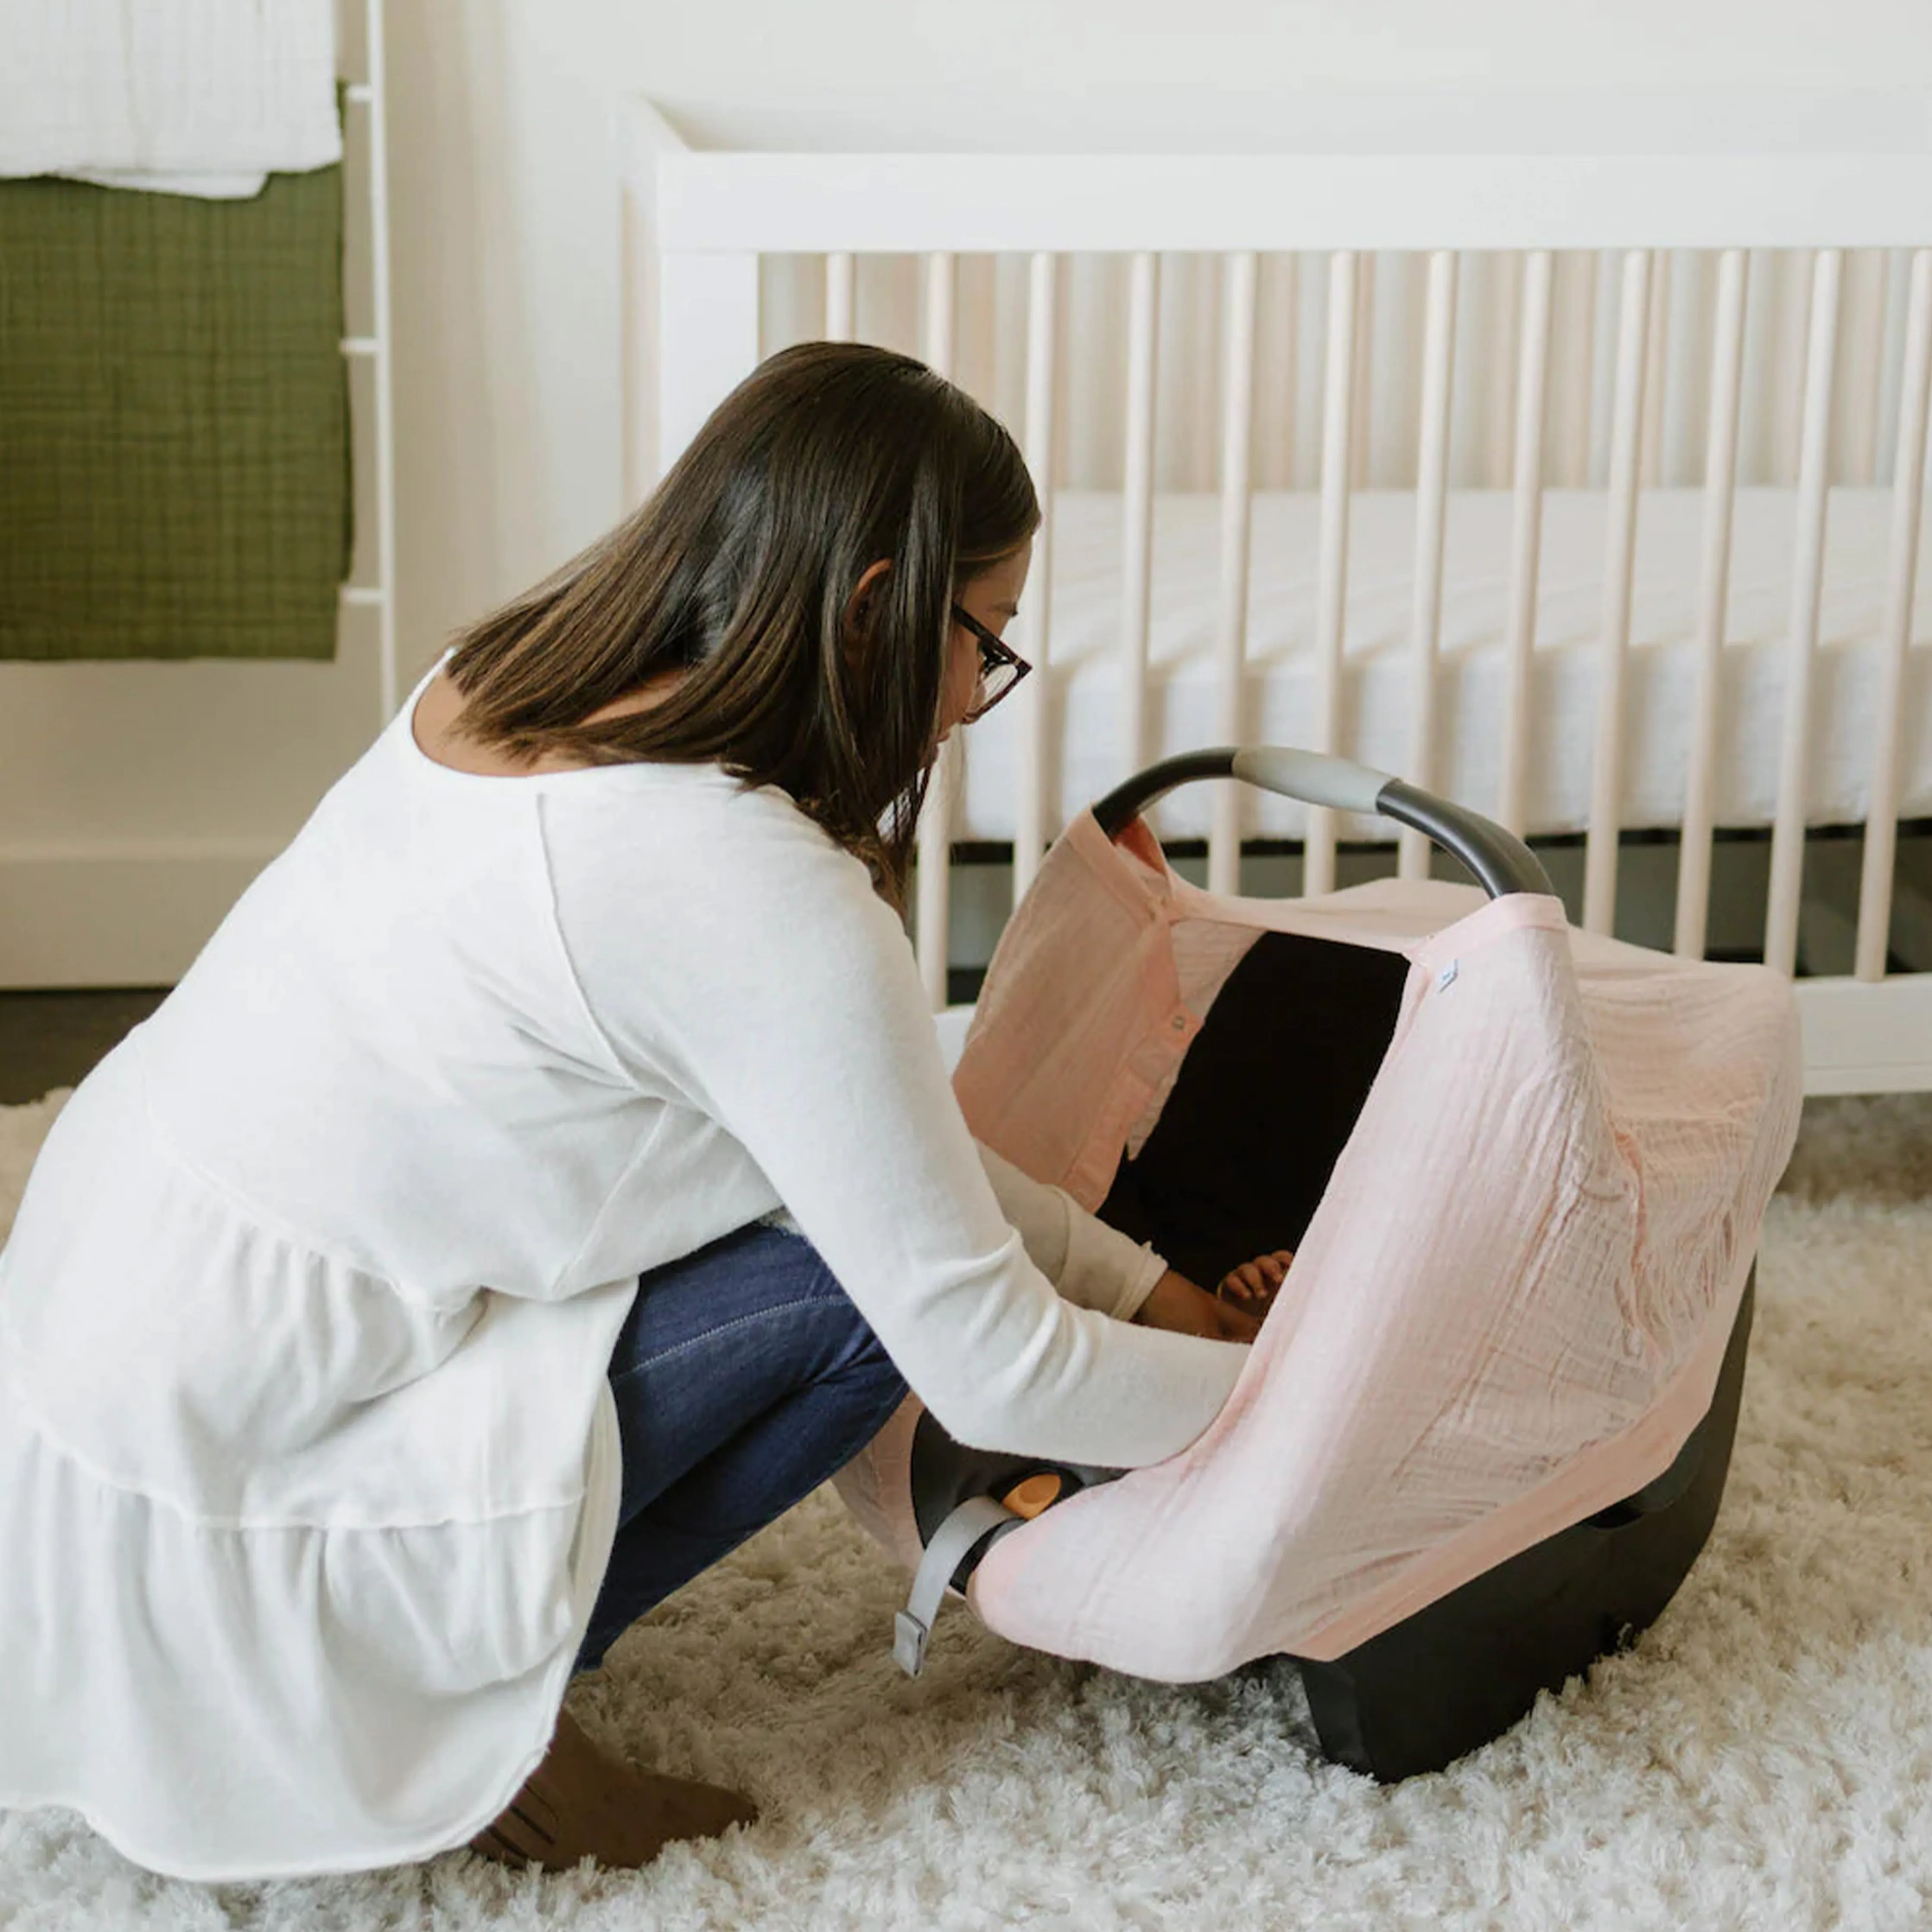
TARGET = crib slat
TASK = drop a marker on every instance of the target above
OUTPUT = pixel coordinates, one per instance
(1278, 403)
(1362, 399)
(935, 821)
(1907, 490)
(1137, 507)
(1526, 538)
(1431, 475)
(1317, 873)
(1030, 816)
(1238, 410)
(1787, 372)
(1759, 451)
(841, 291)
(1694, 867)
(941, 309)
(1858, 435)
(1657, 347)
(1787, 834)
(1502, 281)
(1574, 326)
(1679, 378)
(1892, 359)
(1600, 853)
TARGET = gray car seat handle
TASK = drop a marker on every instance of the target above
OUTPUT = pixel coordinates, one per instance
(1499, 860)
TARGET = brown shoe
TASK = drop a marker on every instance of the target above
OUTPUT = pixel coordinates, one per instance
(581, 1802)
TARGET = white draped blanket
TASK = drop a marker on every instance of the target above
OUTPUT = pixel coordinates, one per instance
(185, 97)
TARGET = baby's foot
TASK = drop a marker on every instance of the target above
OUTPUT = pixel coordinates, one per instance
(1254, 1284)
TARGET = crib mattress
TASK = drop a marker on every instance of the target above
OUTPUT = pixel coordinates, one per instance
(1082, 688)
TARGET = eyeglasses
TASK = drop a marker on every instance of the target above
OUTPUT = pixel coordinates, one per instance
(1000, 668)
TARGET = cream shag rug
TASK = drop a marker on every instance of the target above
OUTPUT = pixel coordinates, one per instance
(1762, 1757)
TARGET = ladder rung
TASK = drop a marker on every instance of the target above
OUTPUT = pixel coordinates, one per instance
(364, 593)
(360, 91)
(361, 345)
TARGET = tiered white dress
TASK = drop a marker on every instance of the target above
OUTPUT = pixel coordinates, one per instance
(308, 1458)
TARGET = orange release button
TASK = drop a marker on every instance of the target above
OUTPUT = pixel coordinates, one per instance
(1029, 1498)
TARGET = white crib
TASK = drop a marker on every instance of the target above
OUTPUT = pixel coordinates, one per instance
(1761, 659)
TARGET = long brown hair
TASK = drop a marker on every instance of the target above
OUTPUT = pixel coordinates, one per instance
(739, 568)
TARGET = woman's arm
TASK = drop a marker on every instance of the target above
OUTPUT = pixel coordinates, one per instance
(1100, 1267)
(1090, 1264)
(729, 951)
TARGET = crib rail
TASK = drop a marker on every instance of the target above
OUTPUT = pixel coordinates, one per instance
(1561, 281)
(1221, 204)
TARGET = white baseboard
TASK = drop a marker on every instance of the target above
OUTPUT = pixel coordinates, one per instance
(125, 915)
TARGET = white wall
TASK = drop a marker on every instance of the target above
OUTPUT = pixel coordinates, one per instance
(135, 800)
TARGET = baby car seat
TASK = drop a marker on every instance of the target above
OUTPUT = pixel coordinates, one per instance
(1484, 1433)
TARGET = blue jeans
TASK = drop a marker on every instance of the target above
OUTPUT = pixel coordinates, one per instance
(745, 1377)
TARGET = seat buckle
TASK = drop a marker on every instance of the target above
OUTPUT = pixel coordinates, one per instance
(910, 1637)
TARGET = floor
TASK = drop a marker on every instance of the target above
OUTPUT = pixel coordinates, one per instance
(50, 1039)
(1759, 1757)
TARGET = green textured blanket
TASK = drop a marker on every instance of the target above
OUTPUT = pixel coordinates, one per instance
(174, 421)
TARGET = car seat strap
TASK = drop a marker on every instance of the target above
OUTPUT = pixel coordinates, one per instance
(975, 1519)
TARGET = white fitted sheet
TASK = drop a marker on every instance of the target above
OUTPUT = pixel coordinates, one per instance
(1082, 681)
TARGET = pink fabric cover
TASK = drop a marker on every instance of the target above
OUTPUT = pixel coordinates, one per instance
(1508, 1312)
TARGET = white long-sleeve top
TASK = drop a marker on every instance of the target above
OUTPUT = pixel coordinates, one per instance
(308, 1456)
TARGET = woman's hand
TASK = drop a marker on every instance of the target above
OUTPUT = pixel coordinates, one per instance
(1177, 1305)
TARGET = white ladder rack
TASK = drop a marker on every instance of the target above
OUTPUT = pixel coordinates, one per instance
(369, 99)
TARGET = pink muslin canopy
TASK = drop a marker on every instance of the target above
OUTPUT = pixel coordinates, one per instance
(1508, 1313)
